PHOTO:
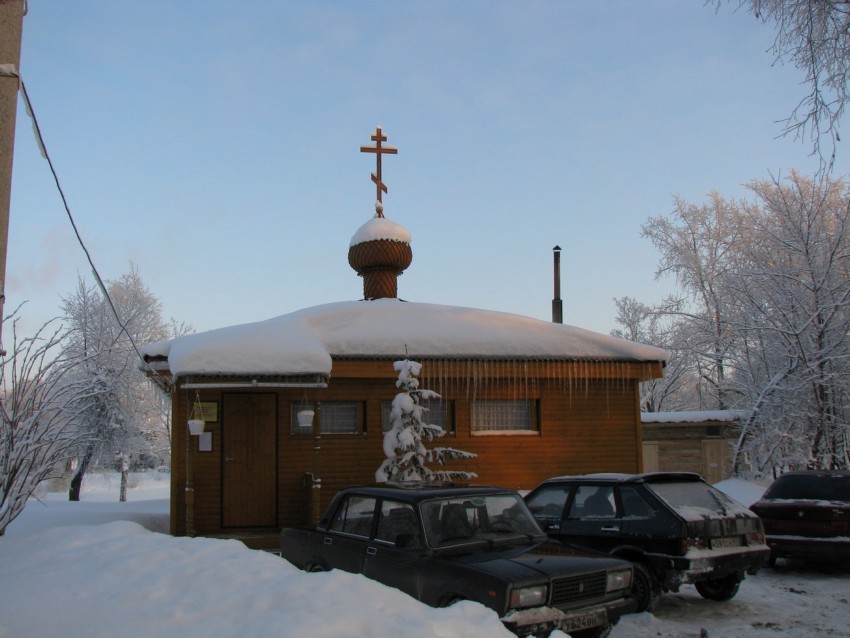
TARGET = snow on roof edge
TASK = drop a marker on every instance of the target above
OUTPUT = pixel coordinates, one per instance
(694, 416)
(306, 341)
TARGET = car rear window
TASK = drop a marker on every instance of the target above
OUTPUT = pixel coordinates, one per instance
(696, 500)
(810, 488)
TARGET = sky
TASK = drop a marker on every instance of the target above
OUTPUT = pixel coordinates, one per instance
(215, 146)
(97, 565)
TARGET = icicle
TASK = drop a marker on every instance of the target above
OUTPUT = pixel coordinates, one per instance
(562, 381)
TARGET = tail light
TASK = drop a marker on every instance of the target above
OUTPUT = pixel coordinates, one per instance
(755, 538)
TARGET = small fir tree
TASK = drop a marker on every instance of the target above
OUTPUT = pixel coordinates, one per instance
(404, 442)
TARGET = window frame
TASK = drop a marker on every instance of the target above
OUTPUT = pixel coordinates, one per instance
(533, 428)
(352, 515)
(297, 406)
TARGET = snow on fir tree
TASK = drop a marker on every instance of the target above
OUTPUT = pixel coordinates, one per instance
(404, 442)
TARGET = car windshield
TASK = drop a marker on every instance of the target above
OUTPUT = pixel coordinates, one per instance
(480, 518)
(815, 487)
(694, 500)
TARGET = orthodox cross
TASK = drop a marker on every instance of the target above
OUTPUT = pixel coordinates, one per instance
(379, 150)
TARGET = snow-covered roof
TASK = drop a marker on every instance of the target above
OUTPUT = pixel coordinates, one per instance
(696, 416)
(380, 228)
(305, 341)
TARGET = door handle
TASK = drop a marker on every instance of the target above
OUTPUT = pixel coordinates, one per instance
(611, 529)
(371, 551)
(328, 540)
(228, 458)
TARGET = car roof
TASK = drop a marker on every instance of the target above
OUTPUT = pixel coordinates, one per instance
(835, 473)
(421, 491)
(612, 477)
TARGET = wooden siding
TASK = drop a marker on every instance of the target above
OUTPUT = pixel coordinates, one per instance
(584, 425)
(703, 447)
(470, 369)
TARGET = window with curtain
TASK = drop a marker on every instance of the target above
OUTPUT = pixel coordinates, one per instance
(503, 416)
(337, 417)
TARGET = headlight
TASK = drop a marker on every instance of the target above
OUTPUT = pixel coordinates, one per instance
(620, 579)
(528, 597)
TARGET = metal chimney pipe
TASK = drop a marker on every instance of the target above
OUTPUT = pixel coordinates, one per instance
(557, 304)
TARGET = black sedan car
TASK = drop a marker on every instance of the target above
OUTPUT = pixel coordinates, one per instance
(441, 544)
(806, 515)
(675, 528)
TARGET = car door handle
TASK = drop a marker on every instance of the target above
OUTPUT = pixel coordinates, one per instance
(371, 551)
(611, 529)
(328, 540)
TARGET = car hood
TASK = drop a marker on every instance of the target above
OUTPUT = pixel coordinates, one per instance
(549, 560)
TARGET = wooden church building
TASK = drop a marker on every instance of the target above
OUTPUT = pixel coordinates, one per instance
(532, 399)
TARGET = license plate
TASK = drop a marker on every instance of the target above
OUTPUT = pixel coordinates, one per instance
(729, 541)
(587, 621)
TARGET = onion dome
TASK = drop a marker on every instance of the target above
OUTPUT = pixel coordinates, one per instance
(380, 251)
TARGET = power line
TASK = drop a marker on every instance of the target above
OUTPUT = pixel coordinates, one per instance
(43, 148)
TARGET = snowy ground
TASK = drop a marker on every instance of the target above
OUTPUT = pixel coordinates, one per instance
(97, 568)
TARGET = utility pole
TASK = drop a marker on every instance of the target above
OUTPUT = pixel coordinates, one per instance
(11, 27)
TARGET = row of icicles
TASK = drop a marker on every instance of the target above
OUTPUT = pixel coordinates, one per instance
(482, 378)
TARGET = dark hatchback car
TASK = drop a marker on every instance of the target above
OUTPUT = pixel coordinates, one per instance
(442, 544)
(674, 527)
(806, 515)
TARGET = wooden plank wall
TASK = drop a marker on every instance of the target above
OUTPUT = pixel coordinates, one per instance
(587, 426)
(681, 445)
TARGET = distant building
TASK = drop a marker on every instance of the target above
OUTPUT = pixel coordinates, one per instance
(698, 441)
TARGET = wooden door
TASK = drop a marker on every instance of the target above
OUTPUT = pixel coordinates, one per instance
(650, 457)
(714, 460)
(249, 452)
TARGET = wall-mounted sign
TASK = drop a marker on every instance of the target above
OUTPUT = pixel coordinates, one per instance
(208, 410)
(205, 442)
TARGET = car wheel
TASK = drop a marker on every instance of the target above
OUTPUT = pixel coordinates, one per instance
(646, 589)
(719, 588)
(314, 568)
(771, 561)
(448, 601)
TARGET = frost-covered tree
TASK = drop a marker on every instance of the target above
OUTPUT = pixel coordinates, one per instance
(815, 36)
(404, 442)
(646, 324)
(794, 295)
(764, 309)
(697, 245)
(125, 424)
(40, 408)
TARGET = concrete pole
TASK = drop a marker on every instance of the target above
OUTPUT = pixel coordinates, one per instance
(11, 27)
